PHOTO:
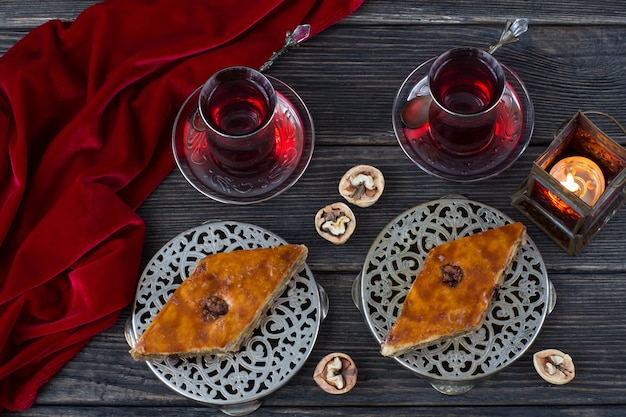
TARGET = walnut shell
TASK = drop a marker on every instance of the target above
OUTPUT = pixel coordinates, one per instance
(335, 223)
(554, 366)
(362, 185)
(336, 373)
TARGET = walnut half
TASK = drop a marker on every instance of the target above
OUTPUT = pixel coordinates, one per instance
(335, 223)
(451, 274)
(362, 185)
(336, 373)
(554, 366)
(214, 307)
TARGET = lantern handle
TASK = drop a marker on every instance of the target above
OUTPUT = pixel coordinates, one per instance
(586, 112)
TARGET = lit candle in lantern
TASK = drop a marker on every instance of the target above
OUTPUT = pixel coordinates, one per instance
(581, 176)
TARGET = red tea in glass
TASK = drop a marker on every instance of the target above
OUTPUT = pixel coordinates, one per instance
(237, 104)
(466, 85)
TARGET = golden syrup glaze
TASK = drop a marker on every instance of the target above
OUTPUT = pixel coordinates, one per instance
(435, 309)
(246, 280)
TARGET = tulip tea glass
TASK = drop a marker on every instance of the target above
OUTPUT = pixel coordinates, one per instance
(463, 116)
(243, 137)
(237, 104)
(466, 84)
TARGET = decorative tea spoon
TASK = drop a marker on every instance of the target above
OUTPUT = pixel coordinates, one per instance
(295, 38)
(415, 111)
(513, 29)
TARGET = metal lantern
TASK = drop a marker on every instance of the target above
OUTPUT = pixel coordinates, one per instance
(552, 195)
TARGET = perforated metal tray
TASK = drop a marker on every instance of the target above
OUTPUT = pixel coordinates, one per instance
(235, 383)
(513, 321)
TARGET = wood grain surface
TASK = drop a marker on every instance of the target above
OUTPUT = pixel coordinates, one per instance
(572, 58)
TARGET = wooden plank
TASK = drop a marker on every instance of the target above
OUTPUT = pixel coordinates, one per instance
(175, 206)
(21, 14)
(451, 12)
(351, 103)
(441, 411)
(29, 13)
(104, 372)
(357, 72)
(572, 58)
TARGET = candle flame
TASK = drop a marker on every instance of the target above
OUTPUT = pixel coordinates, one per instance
(581, 176)
(570, 183)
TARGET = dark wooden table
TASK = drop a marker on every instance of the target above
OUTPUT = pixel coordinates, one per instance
(573, 57)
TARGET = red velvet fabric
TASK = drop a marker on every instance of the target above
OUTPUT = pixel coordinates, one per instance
(87, 109)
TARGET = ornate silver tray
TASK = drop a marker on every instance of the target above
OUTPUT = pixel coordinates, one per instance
(235, 383)
(516, 314)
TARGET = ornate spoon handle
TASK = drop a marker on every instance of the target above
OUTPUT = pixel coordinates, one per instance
(511, 33)
(295, 38)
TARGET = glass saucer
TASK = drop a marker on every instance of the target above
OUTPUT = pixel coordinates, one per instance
(516, 116)
(294, 138)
